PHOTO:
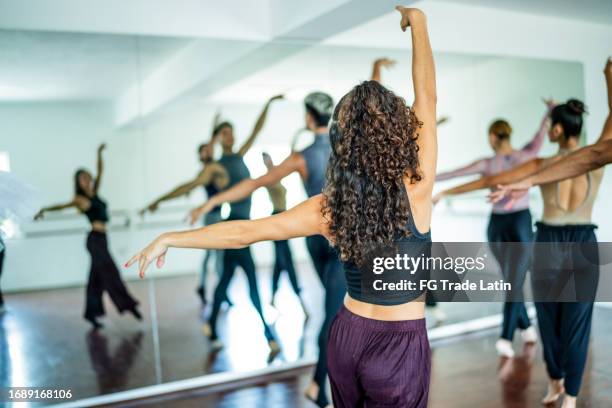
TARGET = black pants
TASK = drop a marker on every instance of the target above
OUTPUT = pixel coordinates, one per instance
(104, 276)
(514, 260)
(283, 261)
(233, 258)
(565, 327)
(330, 271)
(2, 252)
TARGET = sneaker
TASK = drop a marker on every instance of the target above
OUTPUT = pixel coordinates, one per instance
(529, 335)
(504, 348)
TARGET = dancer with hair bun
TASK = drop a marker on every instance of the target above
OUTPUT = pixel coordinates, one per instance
(565, 327)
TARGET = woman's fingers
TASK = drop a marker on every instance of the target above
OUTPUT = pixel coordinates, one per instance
(161, 260)
(143, 264)
(132, 260)
(192, 217)
(404, 22)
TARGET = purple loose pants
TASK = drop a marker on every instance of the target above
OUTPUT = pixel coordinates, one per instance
(375, 363)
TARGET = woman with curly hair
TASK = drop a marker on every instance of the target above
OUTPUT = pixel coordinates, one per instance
(378, 192)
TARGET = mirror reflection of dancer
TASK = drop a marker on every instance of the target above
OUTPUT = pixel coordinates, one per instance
(565, 327)
(214, 178)
(508, 224)
(310, 164)
(103, 274)
(581, 161)
(283, 259)
(233, 162)
(381, 173)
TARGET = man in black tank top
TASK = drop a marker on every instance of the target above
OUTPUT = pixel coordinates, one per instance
(311, 164)
(213, 178)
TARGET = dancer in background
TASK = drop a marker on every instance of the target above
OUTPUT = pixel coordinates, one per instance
(564, 326)
(233, 162)
(381, 173)
(103, 274)
(283, 259)
(311, 165)
(213, 178)
(577, 163)
(508, 224)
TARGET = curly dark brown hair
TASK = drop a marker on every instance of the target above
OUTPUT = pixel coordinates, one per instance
(373, 136)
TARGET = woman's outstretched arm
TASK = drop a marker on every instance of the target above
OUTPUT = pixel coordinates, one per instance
(99, 168)
(57, 207)
(510, 176)
(261, 120)
(477, 167)
(242, 190)
(303, 220)
(581, 161)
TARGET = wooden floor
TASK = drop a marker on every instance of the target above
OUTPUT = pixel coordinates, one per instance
(44, 341)
(465, 374)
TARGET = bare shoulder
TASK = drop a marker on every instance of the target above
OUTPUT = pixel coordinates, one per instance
(81, 202)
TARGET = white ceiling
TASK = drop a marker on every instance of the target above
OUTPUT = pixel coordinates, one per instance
(70, 49)
(67, 66)
(598, 11)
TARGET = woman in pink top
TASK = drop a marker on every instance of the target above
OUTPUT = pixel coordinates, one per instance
(508, 224)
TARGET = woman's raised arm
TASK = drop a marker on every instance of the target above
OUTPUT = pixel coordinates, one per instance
(424, 83)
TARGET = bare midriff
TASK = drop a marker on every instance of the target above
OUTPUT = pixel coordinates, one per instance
(406, 311)
(98, 226)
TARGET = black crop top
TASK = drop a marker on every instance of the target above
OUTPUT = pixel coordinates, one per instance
(361, 281)
(212, 190)
(97, 210)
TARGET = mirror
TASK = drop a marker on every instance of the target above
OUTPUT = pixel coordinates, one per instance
(152, 100)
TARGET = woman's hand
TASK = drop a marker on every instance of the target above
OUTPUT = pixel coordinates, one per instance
(276, 98)
(437, 197)
(514, 191)
(550, 103)
(156, 250)
(198, 212)
(384, 62)
(408, 16)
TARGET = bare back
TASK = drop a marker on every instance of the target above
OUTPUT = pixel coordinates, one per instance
(570, 202)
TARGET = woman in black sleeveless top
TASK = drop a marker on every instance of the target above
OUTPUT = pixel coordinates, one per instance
(378, 192)
(103, 274)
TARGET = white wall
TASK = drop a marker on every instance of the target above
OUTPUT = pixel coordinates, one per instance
(48, 141)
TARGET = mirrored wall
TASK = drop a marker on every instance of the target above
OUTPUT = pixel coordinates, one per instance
(152, 101)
